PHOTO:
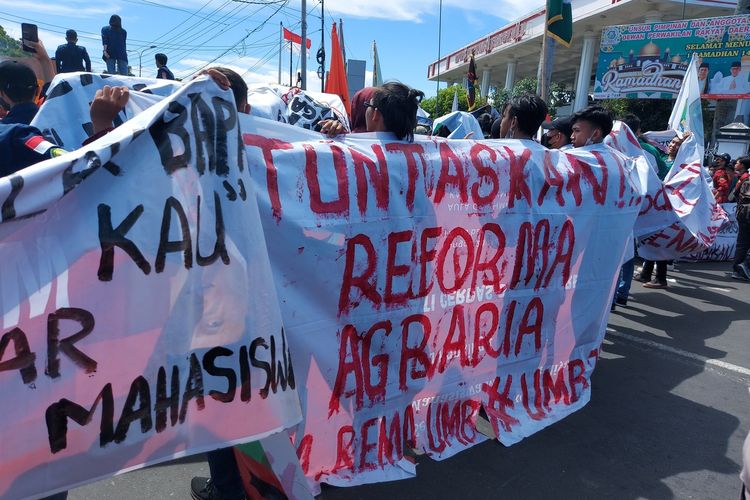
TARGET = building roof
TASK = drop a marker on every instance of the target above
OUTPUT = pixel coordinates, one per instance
(520, 40)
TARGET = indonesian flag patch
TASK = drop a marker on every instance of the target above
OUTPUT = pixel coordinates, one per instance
(39, 144)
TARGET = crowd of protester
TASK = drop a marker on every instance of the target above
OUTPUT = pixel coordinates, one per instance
(390, 108)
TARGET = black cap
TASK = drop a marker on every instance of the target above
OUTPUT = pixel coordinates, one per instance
(704, 65)
(736, 64)
(14, 74)
(71, 35)
(725, 157)
(562, 125)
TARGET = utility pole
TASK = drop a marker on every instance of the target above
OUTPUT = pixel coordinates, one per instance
(303, 51)
(322, 60)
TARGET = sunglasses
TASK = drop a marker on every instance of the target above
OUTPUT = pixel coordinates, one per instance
(368, 104)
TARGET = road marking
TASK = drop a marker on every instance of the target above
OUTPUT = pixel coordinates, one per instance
(679, 352)
(719, 289)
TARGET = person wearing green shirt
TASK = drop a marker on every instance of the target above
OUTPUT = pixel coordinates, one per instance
(663, 168)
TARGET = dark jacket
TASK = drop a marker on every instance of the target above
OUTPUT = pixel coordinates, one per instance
(22, 146)
(115, 41)
(70, 57)
(21, 113)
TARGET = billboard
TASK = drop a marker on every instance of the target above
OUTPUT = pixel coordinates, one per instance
(649, 60)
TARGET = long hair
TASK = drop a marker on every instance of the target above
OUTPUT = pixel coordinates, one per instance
(398, 104)
(115, 22)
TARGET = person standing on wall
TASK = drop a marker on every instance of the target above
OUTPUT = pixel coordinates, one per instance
(114, 40)
(162, 71)
(71, 57)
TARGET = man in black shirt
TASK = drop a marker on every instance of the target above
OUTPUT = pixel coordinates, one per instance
(163, 72)
(71, 57)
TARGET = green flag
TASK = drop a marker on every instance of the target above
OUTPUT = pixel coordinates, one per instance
(560, 21)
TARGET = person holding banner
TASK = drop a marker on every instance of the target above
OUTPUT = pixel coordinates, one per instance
(558, 133)
(660, 279)
(590, 126)
(393, 108)
(522, 117)
(634, 123)
(18, 90)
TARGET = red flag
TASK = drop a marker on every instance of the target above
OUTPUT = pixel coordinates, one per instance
(336, 82)
(295, 38)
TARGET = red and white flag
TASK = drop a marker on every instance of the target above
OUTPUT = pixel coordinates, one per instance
(295, 38)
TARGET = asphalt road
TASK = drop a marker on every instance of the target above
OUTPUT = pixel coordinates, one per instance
(670, 408)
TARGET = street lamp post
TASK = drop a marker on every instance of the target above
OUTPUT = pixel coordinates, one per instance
(140, 59)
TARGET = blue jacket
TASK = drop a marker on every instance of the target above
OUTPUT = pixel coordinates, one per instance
(115, 41)
(22, 146)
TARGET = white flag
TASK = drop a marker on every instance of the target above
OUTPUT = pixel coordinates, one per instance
(454, 108)
(687, 115)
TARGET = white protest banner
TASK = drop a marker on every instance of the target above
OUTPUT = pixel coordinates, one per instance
(138, 316)
(698, 218)
(64, 117)
(656, 210)
(292, 105)
(421, 282)
(725, 244)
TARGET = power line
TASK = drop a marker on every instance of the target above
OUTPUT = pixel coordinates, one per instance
(243, 38)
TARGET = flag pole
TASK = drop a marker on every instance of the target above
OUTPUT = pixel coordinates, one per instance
(281, 46)
(303, 46)
(290, 63)
(440, 37)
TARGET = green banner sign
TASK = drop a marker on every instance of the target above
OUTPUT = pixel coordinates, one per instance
(649, 60)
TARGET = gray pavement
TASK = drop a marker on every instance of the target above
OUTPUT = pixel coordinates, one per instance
(669, 410)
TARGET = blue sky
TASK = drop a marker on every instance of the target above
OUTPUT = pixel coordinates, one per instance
(195, 32)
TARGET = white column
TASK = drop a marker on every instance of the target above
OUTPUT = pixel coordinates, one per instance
(584, 71)
(510, 75)
(485, 82)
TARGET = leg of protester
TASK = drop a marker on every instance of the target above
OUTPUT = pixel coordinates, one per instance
(225, 482)
(623, 284)
(741, 264)
(122, 67)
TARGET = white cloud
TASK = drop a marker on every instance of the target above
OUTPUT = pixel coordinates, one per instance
(55, 9)
(416, 10)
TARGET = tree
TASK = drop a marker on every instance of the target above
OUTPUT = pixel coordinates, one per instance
(445, 99)
(559, 95)
(654, 113)
(9, 46)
